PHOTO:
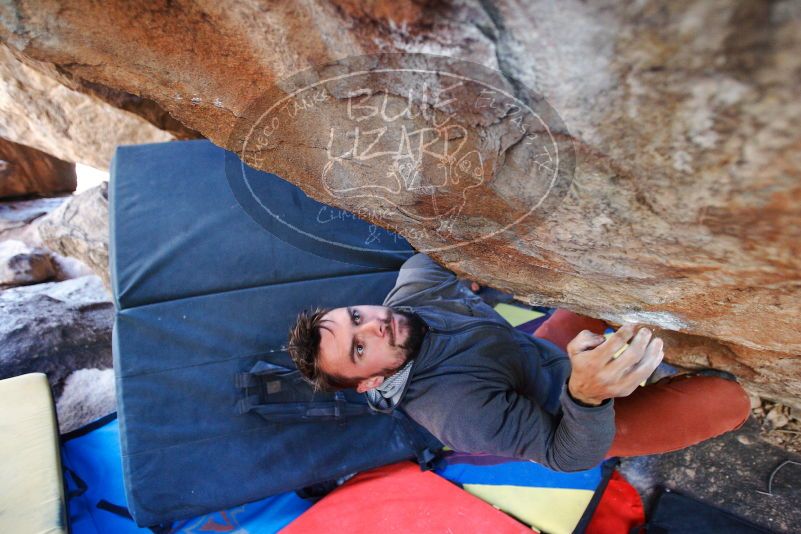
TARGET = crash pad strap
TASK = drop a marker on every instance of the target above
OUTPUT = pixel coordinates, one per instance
(31, 487)
(426, 455)
(301, 411)
(265, 379)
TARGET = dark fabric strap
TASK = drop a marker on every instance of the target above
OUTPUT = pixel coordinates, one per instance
(245, 380)
(122, 511)
(115, 509)
(247, 403)
(262, 370)
(300, 411)
(339, 408)
(80, 484)
(427, 457)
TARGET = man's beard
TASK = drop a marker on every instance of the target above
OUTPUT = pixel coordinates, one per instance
(417, 330)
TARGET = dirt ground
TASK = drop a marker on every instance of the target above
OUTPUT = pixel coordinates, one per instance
(779, 425)
(731, 472)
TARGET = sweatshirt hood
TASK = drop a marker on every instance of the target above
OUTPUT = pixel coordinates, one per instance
(439, 342)
(386, 397)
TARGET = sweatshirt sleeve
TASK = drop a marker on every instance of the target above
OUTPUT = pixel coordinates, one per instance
(500, 422)
(420, 279)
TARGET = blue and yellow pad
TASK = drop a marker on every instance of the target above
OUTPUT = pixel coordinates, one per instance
(546, 500)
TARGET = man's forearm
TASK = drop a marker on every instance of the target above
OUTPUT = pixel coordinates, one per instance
(583, 437)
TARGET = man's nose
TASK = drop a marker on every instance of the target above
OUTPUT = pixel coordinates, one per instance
(377, 327)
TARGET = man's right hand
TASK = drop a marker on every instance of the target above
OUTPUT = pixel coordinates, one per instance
(597, 376)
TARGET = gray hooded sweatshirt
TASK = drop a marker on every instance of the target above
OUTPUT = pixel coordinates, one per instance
(478, 385)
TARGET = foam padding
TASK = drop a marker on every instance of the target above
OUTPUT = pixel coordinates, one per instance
(31, 487)
(179, 230)
(92, 453)
(400, 499)
(206, 284)
(517, 315)
(547, 500)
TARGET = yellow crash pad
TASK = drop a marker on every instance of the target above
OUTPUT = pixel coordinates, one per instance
(515, 315)
(31, 487)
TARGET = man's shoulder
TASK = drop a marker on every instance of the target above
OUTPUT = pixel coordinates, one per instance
(419, 279)
(423, 282)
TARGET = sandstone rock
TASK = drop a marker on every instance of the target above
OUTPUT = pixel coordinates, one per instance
(88, 395)
(756, 402)
(79, 229)
(776, 417)
(22, 265)
(38, 111)
(147, 109)
(27, 171)
(68, 268)
(55, 328)
(19, 220)
(17, 216)
(684, 210)
(766, 374)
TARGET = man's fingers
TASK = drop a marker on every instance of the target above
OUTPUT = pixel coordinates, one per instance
(646, 366)
(616, 341)
(634, 353)
(585, 340)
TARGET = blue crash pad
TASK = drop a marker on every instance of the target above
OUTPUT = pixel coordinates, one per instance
(97, 505)
(205, 288)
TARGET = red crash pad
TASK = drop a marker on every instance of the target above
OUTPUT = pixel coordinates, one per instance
(400, 498)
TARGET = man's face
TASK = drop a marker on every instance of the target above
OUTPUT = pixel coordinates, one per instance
(366, 343)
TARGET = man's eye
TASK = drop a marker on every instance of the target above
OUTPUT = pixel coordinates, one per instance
(360, 349)
(356, 316)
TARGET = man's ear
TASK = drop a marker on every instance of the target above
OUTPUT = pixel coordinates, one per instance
(369, 383)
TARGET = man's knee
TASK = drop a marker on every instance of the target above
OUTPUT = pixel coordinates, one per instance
(732, 400)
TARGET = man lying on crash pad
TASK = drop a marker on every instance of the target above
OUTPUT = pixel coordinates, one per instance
(561, 398)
